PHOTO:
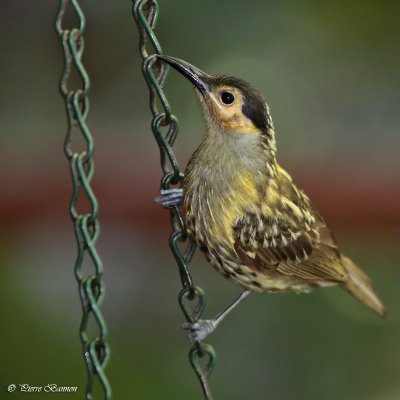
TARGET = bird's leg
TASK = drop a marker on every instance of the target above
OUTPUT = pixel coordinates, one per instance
(203, 327)
(170, 197)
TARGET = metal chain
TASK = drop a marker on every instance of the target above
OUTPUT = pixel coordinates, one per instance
(165, 128)
(91, 286)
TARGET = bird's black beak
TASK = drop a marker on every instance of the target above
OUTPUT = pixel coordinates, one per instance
(195, 75)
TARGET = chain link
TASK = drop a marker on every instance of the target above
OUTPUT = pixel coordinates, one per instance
(165, 128)
(91, 286)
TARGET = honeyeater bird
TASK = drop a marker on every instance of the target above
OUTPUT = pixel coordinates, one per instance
(255, 226)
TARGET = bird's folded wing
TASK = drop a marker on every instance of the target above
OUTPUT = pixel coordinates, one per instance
(289, 245)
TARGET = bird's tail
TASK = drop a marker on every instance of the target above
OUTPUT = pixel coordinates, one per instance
(361, 287)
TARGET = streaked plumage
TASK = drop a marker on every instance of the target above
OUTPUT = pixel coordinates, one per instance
(247, 215)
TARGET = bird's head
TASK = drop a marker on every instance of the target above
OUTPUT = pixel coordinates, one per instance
(229, 104)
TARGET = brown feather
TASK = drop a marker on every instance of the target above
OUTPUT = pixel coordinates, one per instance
(254, 225)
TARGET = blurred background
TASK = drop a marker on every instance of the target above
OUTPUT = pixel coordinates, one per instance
(330, 72)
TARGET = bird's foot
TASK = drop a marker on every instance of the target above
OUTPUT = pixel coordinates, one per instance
(170, 197)
(199, 330)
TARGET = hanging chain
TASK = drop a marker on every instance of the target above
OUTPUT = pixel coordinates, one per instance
(91, 286)
(165, 128)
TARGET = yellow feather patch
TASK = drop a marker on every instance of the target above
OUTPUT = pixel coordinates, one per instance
(289, 204)
(242, 196)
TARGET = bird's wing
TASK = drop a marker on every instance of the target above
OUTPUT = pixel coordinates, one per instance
(288, 236)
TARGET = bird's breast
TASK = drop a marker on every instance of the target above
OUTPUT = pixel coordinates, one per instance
(215, 201)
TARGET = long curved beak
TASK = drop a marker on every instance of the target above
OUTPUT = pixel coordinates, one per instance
(195, 75)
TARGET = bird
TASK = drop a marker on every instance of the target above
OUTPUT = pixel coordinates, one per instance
(245, 212)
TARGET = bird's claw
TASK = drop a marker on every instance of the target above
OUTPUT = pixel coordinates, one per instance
(199, 330)
(170, 197)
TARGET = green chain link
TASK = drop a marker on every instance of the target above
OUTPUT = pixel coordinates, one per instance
(191, 298)
(91, 287)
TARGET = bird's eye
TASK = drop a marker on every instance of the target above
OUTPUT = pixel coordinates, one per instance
(227, 98)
